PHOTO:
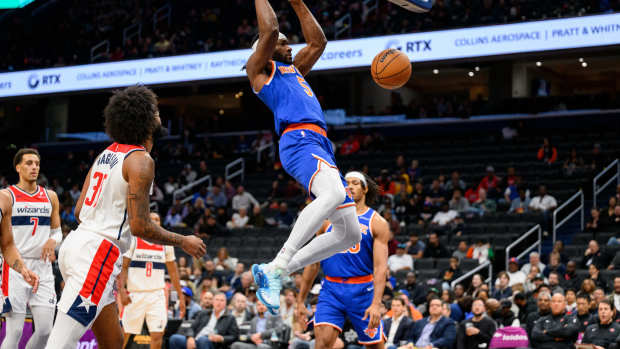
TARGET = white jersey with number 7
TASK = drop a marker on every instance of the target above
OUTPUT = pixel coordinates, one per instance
(104, 210)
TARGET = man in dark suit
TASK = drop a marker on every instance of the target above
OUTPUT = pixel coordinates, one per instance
(434, 331)
(261, 329)
(211, 329)
(398, 326)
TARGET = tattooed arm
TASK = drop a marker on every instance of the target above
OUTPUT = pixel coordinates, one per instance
(139, 171)
(7, 244)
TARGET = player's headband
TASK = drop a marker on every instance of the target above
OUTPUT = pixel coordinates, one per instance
(358, 175)
(280, 37)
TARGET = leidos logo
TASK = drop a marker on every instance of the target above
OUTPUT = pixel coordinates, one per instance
(45, 80)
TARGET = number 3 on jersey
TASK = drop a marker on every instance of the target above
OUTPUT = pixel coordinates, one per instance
(96, 189)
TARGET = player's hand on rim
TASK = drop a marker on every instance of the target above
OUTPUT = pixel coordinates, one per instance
(31, 278)
(194, 246)
(373, 313)
(48, 252)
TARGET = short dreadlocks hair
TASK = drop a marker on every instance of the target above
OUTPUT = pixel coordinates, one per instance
(130, 115)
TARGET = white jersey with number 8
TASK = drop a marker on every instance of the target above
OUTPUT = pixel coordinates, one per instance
(104, 210)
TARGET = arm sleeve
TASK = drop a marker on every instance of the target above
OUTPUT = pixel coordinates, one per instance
(169, 253)
(55, 234)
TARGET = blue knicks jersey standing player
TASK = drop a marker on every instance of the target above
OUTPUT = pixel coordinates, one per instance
(354, 278)
(305, 152)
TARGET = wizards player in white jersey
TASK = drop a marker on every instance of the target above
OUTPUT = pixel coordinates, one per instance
(305, 151)
(10, 254)
(354, 278)
(142, 287)
(114, 201)
(36, 231)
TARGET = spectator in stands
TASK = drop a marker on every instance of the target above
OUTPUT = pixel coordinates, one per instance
(414, 171)
(434, 249)
(595, 275)
(208, 226)
(224, 262)
(603, 333)
(245, 283)
(67, 216)
(210, 329)
(597, 160)
(243, 199)
(594, 255)
(534, 280)
(288, 305)
(434, 331)
(483, 204)
(262, 325)
(544, 203)
(192, 307)
(239, 219)
(216, 197)
(504, 316)
(534, 260)
(556, 330)
(594, 225)
(451, 273)
(616, 293)
(571, 300)
(170, 186)
(608, 214)
(74, 193)
(480, 250)
(458, 203)
(446, 216)
(543, 302)
(455, 183)
(555, 265)
(474, 287)
(415, 247)
(547, 152)
(573, 164)
(258, 218)
(350, 146)
(283, 219)
(189, 174)
(571, 279)
(461, 250)
(436, 194)
(515, 275)
(400, 261)
(235, 279)
(554, 282)
(490, 183)
(520, 204)
(588, 286)
(417, 290)
(503, 290)
(398, 326)
(583, 315)
(240, 310)
(173, 218)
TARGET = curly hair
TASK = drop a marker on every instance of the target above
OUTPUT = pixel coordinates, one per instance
(130, 115)
(373, 191)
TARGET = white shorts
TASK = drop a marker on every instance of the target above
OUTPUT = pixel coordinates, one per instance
(19, 293)
(89, 264)
(150, 305)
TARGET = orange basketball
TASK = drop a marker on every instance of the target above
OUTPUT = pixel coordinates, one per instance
(390, 69)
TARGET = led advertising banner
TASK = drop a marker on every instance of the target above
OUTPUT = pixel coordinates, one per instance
(557, 34)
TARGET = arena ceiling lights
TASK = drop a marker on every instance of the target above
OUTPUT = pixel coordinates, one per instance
(549, 35)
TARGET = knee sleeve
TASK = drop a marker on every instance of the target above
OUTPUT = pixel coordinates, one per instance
(43, 318)
(327, 185)
(346, 227)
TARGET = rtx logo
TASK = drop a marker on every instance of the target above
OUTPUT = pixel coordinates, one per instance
(410, 46)
(51, 79)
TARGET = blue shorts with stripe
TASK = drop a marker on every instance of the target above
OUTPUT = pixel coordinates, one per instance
(338, 301)
(303, 153)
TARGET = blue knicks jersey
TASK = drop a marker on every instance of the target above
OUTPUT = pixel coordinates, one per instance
(290, 98)
(357, 260)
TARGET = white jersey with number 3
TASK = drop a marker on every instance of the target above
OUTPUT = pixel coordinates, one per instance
(104, 210)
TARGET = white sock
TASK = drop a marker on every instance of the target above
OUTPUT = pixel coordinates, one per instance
(345, 234)
(43, 318)
(14, 329)
(66, 332)
(329, 191)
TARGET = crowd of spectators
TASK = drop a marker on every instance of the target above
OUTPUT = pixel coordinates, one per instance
(195, 27)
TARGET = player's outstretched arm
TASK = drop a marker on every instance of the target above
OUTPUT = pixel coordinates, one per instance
(381, 231)
(139, 171)
(314, 36)
(7, 244)
(268, 32)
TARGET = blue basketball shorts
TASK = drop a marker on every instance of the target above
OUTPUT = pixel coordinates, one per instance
(338, 301)
(303, 153)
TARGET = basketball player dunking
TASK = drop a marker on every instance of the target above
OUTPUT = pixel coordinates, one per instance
(36, 231)
(113, 205)
(306, 154)
(354, 279)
